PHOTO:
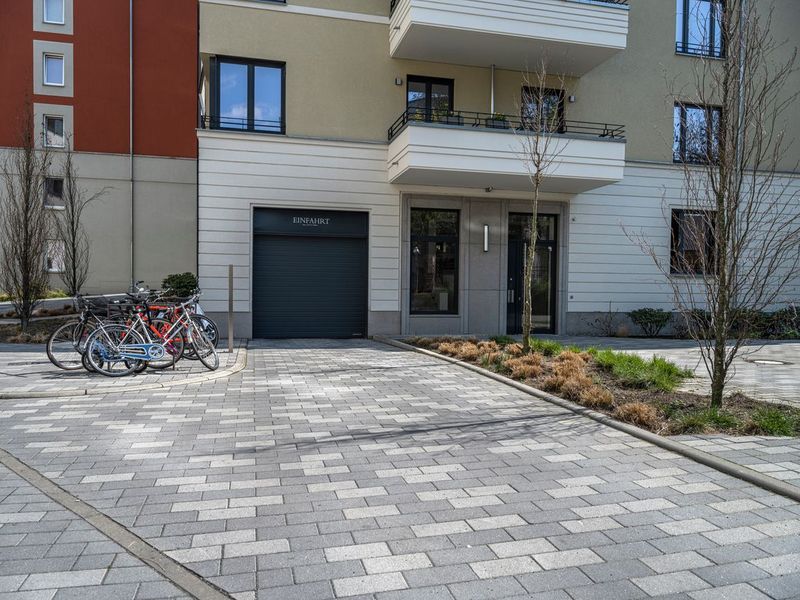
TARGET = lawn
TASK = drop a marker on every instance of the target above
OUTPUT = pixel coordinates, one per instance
(644, 392)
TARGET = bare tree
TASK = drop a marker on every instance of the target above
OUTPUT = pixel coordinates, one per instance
(735, 248)
(24, 223)
(69, 230)
(541, 122)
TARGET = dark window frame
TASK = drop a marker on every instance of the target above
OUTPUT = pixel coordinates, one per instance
(251, 65)
(429, 83)
(677, 264)
(47, 181)
(683, 47)
(456, 240)
(531, 92)
(681, 155)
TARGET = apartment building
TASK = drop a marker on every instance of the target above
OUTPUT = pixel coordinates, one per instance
(359, 160)
(132, 131)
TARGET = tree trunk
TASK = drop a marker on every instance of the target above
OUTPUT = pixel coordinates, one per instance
(527, 291)
(718, 374)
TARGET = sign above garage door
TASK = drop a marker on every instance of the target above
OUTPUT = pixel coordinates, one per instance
(310, 223)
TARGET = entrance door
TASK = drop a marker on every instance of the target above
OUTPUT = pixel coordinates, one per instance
(544, 272)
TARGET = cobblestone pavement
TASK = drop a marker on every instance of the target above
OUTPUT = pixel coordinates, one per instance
(353, 469)
(49, 553)
(25, 368)
(750, 375)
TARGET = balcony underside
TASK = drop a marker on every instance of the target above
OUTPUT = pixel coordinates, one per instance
(572, 37)
(439, 155)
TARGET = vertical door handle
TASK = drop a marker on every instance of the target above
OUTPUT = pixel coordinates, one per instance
(511, 296)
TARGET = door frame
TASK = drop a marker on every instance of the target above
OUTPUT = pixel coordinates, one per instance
(554, 264)
(429, 81)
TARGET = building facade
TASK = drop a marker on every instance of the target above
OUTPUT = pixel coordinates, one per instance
(375, 141)
(132, 130)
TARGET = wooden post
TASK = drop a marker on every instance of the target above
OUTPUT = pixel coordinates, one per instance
(230, 308)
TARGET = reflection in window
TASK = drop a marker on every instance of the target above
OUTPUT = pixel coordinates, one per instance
(434, 261)
(54, 11)
(429, 98)
(54, 132)
(54, 256)
(692, 249)
(54, 192)
(53, 69)
(699, 27)
(697, 131)
(249, 96)
(542, 110)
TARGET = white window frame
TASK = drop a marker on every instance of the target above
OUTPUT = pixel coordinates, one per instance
(63, 132)
(51, 21)
(58, 260)
(47, 55)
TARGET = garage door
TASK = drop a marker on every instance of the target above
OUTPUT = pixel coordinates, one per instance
(309, 274)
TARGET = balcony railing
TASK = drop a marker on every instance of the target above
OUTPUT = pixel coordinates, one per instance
(393, 3)
(499, 122)
(242, 124)
(707, 50)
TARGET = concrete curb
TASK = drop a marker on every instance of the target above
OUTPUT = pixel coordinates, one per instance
(238, 365)
(720, 464)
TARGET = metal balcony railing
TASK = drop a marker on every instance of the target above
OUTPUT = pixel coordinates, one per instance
(495, 122)
(707, 50)
(393, 3)
(242, 124)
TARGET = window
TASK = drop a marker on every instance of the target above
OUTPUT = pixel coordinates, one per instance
(54, 11)
(542, 109)
(697, 133)
(54, 132)
(249, 96)
(54, 256)
(429, 98)
(54, 192)
(434, 261)
(53, 69)
(692, 249)
(699, 27)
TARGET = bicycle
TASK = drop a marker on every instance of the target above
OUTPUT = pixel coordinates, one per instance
(118, 350)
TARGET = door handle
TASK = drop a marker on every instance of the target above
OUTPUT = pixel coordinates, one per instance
(511, 296)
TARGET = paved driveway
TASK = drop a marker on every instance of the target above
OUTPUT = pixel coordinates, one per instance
(353, 469)
(768, 370)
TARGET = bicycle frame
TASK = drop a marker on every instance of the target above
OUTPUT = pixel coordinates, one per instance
(155, 350)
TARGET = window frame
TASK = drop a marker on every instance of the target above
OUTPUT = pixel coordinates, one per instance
(47, 181)
(456, 240)
(61, 57)
(45, 131)
(251, 64)
(63, 20)
(681, 156)
(676, 266)
(682, 46)
(429, 83)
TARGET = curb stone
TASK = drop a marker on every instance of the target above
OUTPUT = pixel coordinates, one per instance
(715, 462)
(238, 365)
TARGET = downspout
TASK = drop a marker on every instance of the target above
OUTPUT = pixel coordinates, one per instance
(740, 124)
(130, 141)
(491, 100)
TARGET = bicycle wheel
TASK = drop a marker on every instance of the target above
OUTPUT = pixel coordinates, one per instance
(64, 345)
(102, 350)
(174, 346)
(204, 349)
(212, 332)
(86, 364)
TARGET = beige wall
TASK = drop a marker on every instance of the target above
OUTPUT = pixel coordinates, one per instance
(340, 78)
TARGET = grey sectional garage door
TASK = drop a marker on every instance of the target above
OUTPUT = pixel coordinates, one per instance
(309, 274)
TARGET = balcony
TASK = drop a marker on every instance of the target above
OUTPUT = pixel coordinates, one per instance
(474, 150)
(571, 36)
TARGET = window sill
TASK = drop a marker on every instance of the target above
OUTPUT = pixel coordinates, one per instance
(50, 207)
(436, 315)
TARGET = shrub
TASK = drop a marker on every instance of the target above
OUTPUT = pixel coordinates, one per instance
(640, 414)
(56, 294)
(633, 371)
(449, 348)
(468, 351)
(650, 320)
(597, 397)
(490, 346)
(773, 421)
(704, 421)
(546, 347)
(180, 284)
(525, 367)
(785, 323)
(514, 349)
(574, 386)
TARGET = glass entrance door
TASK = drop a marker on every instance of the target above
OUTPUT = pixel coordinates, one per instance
(543, 290)
(429, 98)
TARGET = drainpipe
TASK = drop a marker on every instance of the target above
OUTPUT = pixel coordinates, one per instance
(130, 140)
(742, 41)
(491, 101)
